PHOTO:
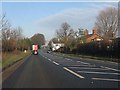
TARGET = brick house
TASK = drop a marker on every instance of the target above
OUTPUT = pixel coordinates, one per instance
(91, 37)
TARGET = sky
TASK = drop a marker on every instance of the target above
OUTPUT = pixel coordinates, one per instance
(46, 17)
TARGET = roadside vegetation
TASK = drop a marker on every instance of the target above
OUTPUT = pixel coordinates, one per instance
(9, 59)
(75, 43)
(14, 43)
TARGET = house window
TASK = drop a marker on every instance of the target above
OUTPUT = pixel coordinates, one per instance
(93, 40)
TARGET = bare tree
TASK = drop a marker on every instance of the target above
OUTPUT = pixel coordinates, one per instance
(65, 34)
(107, 22)
(5, 31)
(9, 35)
(16, 33)
(79, 33)
(119, 19)
(5, 27)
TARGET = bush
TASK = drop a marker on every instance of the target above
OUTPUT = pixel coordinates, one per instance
(104, 49)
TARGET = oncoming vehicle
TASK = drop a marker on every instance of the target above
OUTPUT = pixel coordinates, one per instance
(35, 49)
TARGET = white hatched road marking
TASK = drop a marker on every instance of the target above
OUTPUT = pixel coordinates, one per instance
(98, 72)
(89, 68)
(106, 79)
(78, 61)
(110, 68)
(83, 62)
(73, 72)
(88, 64)
(55, 63)
(68, 59)
(81, 65)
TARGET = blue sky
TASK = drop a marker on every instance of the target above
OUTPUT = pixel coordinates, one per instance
(46, 17)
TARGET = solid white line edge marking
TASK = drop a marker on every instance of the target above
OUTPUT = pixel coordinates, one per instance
(106, 79)
(73, 72)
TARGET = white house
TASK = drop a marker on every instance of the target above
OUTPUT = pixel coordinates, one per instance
(56, 46)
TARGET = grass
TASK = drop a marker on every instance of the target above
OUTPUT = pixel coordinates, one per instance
(12, 57)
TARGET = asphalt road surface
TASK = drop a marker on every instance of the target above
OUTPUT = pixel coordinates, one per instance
(50, 70)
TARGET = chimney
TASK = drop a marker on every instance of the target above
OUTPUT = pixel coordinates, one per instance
(86, 32)
(94, 31)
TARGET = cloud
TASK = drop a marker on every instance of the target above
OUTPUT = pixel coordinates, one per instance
(76, 17)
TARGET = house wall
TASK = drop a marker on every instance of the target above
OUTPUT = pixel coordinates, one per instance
(56, 46)
(94, 36)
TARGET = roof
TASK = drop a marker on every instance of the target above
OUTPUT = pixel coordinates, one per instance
(89, 35)
(84, 38)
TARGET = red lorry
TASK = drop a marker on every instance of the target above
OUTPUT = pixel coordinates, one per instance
(35, 49)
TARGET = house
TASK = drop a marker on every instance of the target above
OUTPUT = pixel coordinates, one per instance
(56, 45)
(91, 37)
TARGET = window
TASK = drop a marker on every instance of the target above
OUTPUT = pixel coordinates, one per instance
(93, 40)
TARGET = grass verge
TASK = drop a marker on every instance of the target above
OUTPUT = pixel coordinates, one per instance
(9, 59)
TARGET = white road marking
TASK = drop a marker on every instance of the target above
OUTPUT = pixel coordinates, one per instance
(68, 59)
(106, 79)
(45, 57)
(55, 63)
(98, 72)
(83, 62)
(80, 65)
(110, 68)
(88, 68)
(78, 61)
(73, 72)
(49, 59)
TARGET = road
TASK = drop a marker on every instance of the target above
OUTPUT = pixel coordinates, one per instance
(55, 71)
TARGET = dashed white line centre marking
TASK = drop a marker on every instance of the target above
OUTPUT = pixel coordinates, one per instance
(55, 63)
(73, 72)
(49, 59)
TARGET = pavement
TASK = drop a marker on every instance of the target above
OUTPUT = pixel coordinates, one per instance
(51, 70)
